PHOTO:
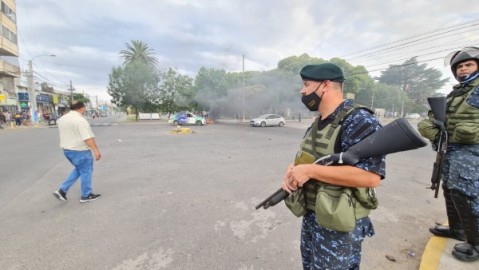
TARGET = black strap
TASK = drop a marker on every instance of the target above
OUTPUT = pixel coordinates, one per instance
(314, 132)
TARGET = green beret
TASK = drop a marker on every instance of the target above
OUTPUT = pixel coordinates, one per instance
(322, 72)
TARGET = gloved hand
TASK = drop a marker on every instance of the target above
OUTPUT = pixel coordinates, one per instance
(428, 129)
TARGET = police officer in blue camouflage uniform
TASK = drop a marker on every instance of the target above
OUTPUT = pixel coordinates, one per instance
(461, 165)
(323, 248)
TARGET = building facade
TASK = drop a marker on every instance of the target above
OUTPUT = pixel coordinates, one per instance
(9, 68)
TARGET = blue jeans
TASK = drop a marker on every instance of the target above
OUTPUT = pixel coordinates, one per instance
(83, 163)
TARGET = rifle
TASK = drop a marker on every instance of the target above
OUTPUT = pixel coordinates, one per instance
(394, 137)
(438, 108)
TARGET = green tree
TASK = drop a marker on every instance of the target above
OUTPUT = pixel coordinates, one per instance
(80, 97)
(176, 92)
(417, 81)
(115, 87)
(211, 86)
(357, 77)
(138, 51)
(134, 85)
(296, 63)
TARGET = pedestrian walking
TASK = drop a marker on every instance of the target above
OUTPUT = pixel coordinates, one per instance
(78, 143)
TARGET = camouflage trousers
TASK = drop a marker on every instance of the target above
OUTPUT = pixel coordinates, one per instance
(461, 172)
(326, 249)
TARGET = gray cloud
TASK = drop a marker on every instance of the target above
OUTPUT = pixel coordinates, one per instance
(87, 35)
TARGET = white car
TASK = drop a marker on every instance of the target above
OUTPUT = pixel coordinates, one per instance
(186, 118)
(413, 116)
(268, 120)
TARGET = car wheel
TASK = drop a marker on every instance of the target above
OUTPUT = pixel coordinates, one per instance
(175, 123)
(263, 124)
(198, 123)
(281, 124)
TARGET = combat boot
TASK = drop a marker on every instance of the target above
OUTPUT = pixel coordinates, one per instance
(455, 229)
(445, 231)
(466, 252)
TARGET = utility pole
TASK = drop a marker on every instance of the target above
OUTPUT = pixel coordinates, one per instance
(33, 96)
(71, 92)
(372, 101)
(31, 89)
(243, 92)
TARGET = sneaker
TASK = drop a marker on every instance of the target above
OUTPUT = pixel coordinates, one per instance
(60, 194)
(90, 197)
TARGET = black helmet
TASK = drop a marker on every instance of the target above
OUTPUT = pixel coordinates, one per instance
(467, 53)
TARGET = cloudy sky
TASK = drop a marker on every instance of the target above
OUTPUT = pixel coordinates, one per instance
(87, 36)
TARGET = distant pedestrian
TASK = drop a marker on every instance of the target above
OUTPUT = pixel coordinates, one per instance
(8, 117)
(2, 119)
(18, 118)
(78, 142)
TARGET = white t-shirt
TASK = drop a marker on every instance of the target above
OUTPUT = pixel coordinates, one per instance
(74, 130)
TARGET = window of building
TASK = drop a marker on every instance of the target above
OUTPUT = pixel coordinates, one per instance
(9, 12)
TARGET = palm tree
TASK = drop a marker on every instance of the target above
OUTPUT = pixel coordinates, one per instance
(138, 51)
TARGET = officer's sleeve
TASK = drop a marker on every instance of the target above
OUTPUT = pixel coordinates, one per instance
(427, 128)
(356, 127)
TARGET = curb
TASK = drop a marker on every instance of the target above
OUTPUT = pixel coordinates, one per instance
(437, 256)
(431, 257)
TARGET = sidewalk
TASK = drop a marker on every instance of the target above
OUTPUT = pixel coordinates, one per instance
(14, 127)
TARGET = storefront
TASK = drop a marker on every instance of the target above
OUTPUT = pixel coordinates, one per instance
(44, 103)
(7, 103)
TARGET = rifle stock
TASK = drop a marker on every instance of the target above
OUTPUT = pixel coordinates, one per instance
(438, 108)
(395, 137)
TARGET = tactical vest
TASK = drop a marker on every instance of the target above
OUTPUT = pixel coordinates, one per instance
(325, 142)
(462, 122)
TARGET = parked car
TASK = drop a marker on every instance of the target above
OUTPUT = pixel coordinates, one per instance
(186, 118)
(268, 120)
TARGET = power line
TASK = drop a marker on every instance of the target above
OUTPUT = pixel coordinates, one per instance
(456, 45)
(411, 43)
(411, 37)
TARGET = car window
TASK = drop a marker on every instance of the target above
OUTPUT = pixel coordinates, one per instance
(189, 115)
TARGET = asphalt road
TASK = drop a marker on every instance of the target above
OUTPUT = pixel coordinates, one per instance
(186, 201)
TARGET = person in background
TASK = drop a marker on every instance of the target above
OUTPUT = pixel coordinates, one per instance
(18, 118)
(8, 117)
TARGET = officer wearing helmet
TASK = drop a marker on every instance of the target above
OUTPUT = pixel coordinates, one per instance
(461, 164)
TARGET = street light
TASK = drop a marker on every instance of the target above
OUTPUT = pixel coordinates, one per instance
(31, 89)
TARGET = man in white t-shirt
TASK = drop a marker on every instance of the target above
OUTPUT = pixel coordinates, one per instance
(78, 143)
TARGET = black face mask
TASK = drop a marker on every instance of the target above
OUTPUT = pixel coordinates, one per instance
(312, 100)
